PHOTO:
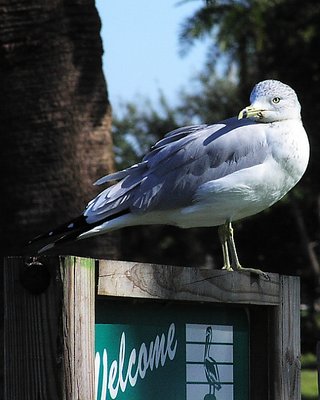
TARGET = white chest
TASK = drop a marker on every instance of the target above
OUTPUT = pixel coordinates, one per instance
(289, 148)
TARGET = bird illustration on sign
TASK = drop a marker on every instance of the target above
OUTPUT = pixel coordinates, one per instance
(211, 368)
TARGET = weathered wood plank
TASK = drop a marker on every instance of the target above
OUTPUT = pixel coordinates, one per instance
(285, 331)
(48, 339)
(32, 368)
(129, 279)
(78, 277)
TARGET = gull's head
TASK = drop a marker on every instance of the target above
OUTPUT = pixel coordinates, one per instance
(272, 101)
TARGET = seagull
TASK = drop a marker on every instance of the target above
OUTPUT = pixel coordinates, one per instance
(205, 175)
(211, 366)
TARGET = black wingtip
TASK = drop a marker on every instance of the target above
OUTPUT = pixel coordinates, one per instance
(73, 225)
(40, 237)
(46, 248)
(66, 238)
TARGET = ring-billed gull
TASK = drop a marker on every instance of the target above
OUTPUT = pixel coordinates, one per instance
(206, 175)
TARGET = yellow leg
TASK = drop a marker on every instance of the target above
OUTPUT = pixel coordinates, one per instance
(235, 264)
(224, 245)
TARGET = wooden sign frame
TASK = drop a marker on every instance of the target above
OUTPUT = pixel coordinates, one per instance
(48, 339)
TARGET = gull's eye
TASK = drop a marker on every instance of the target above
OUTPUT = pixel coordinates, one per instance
(276, 100)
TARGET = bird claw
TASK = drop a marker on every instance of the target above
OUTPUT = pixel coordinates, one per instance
(254, 271)
(227, 268)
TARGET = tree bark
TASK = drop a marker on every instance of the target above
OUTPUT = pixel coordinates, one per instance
(55, 119)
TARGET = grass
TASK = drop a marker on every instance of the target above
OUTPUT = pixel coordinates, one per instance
(309, 384)
(309, 377)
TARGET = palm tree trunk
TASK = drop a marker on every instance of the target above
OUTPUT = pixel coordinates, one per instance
(55, 118)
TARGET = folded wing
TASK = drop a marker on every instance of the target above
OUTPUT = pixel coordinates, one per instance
(170, 174)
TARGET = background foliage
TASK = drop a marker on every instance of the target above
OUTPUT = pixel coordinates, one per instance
(254, 40)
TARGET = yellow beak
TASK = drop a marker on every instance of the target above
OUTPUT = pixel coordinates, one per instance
(250, 112)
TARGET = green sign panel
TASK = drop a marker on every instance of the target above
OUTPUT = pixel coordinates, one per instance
(171, 351)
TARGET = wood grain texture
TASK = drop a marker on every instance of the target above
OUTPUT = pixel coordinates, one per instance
(31, 354)
(285, 332)
(129, 279)
(78, 314)
(48, 339)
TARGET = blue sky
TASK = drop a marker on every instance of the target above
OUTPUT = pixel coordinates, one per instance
(140, 39)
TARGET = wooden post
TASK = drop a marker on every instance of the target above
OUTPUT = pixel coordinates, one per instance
(285, 328)
(78, 277)
(48, 339)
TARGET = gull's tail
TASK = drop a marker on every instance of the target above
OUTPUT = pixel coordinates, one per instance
(72, 230)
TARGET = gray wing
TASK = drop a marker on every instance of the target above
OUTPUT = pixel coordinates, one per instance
(170, 174)
(168, 138)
